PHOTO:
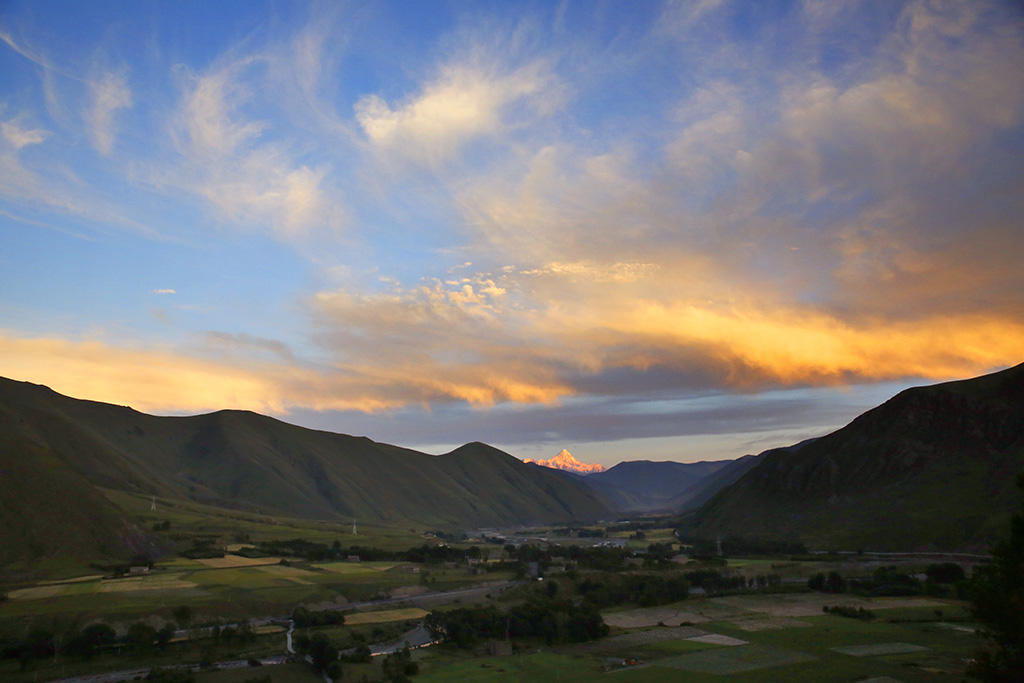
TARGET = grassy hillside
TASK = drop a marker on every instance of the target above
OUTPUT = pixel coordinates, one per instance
(49, 513)
(251, 462)
(932, 468)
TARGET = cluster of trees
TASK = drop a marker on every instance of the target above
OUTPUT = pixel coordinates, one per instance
(890, 581)
(849, 612)
(945, 572)
(204, 547)
(833, 583)
(398, 666)
(322, 653)
(555, 621)
(43, 643)
(733, 546)
(579, 532)
(716, 582)
(599, 558)
(319, 552)
(304, 618)
(637, 525)
(646, 590)
(120, 569)
(997, 596)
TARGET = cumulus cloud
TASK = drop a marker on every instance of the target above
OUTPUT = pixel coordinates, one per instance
(18, 137)
(465, 101)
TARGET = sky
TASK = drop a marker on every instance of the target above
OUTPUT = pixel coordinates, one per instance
(635, 230)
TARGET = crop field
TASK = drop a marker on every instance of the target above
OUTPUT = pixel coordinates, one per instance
(232, 561)
(751, 637)
(187, 517)
(385, 616)
(735, 660)
(228, 586)
(654, 616)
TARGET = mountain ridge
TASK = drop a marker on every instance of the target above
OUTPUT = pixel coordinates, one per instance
(241, 459)
(931, 468)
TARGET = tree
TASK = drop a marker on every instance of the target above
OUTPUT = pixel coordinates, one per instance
(997, 597)
(946, 572)
(91, 639)
(140, 637)
(183, 615)
(322, 652)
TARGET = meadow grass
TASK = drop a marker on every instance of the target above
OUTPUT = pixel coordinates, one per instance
(279, 673)
(527, 667)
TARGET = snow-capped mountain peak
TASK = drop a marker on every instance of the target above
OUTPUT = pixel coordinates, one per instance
(565, 461)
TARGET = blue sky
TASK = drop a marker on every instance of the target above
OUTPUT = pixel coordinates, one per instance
(681, 230)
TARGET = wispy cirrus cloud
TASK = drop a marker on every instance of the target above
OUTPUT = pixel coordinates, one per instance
(109, 93)
(230, 159)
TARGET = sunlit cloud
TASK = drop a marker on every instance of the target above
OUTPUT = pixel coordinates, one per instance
(471, 98)
(163, 380)
(529, 208)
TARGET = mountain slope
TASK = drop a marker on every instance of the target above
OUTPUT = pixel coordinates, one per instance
(932, 468)
(702, 490)
(644, 486)
(48, 511)
(244, 460)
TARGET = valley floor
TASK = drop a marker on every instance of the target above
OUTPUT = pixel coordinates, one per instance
(755, 637)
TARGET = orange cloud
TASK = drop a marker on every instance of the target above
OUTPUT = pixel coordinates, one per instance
(790, 346)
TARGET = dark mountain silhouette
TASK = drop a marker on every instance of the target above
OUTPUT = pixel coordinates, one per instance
(55, 451)
(645, 486)
(932, 468)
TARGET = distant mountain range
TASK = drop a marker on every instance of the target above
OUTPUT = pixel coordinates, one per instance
(651, 487)
(566, 462)
(55, 451)
(932, 468)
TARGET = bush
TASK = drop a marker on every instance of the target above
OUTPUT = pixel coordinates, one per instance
(945, 572)
(361, 655)
(849, 612)
(158, 674)
(833, 583)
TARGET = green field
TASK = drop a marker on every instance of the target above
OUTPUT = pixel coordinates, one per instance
(810, 648)
(747, 637)
(231, 587)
